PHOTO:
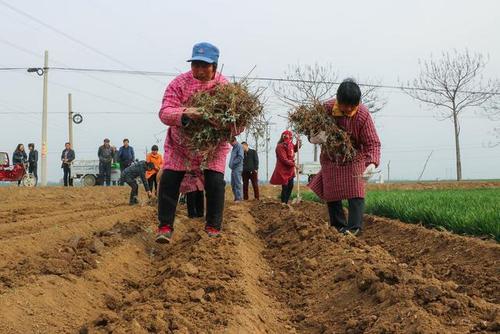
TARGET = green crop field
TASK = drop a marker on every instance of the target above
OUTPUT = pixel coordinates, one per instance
(463, 211)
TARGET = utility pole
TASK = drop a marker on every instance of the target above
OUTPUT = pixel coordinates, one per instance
(389, 171)
(44, 118)
(267, 151)
(70, 120)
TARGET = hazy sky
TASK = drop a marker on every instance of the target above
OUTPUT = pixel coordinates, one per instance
(377, 40)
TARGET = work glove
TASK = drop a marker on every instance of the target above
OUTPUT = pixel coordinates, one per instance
(318, 138)
(369, 172)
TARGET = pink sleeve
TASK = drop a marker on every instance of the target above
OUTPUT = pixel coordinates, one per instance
(370, 141)
(171, 109)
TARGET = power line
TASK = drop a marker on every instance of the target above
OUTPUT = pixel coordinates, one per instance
(71, 38)
(264, 78)
(19, 48)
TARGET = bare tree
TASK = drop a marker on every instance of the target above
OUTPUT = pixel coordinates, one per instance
(307, 84)
(453, 83)
(492, 111)
(371, 97)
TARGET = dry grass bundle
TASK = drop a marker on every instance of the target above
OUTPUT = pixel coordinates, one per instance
(311, 119)
(230, 106)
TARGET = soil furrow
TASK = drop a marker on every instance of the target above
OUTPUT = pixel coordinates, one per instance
(338, 284)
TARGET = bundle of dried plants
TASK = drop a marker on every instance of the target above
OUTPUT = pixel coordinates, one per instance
(310, 119)
(224, 108)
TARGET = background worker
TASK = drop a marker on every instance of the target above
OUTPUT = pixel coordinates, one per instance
(105, 154)
(33, 161)
(339, 180)
(19, 157)
(236, 166)
(284, 172)
(67, 157)
(250, 171)
(193, 188)
(131, 173)
(157, 161)
(126, 155)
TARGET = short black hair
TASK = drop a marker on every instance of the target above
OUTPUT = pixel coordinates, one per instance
(244, 143)
(349, 93)
(126, 140)
(150, 165)
(31, 145)
(67, 143)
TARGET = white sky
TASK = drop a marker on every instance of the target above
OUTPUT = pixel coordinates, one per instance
(379, 40)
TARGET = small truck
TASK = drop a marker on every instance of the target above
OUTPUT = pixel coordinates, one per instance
(310, 169)
(87, 171)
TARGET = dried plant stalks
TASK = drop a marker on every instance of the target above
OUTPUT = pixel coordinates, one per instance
(311, 119)
(224, 108)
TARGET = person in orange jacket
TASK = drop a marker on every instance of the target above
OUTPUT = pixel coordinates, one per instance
(157, 161)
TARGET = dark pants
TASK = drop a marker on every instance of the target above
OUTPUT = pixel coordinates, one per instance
(286, 191)
(355, 217)
(134, 192)
(169, 195)
(33, 169)
(67, 175)
(152, 182)
(195, 201)
(253, 177)
(105, 172)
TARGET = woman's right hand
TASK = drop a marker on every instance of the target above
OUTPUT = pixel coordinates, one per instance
(192, 113)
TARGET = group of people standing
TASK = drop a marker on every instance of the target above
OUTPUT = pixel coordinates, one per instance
(31, 159)
(244, 165)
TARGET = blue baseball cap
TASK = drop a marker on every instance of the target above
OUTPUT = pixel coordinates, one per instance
(206, 52)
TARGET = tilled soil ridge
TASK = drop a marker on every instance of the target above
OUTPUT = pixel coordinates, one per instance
(338, 284)
(198, 284)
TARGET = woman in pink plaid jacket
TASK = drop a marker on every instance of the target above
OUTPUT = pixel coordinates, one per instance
(338, 180)
(178, 158)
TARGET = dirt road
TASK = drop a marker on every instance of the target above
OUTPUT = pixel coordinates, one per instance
(83, 261)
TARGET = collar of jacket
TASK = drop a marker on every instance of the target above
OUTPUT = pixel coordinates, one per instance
(336, 111)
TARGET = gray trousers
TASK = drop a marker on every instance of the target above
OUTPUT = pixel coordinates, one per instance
(355, 217)
(237, 184)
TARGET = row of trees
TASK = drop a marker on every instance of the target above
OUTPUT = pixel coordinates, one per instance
(451, 84)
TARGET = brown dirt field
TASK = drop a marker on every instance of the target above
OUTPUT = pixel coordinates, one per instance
(82, 261)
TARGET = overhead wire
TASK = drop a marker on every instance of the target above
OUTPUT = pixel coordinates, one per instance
(69, 37)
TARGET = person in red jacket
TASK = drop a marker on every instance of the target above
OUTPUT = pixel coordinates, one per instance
(284, 172)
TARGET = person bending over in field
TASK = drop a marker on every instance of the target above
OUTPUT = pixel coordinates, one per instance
(131, 173)
(337, 180)
(176, 113)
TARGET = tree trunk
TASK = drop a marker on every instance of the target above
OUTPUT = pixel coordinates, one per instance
(457, 146)
(315, 152)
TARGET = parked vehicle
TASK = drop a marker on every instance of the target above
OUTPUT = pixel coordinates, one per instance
(87, 171)
(310, 169)
(18, 172)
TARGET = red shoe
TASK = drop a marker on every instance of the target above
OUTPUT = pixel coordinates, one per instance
(212, 232)
(164, 235)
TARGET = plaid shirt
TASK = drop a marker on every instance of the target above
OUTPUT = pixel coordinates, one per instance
(177, 156)
(338, 180)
